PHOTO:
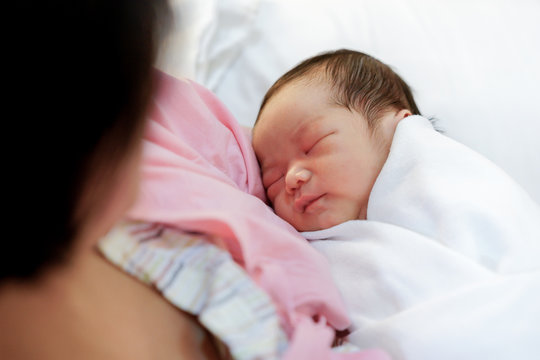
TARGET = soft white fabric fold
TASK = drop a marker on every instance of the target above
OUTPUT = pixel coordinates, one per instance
(447, 266)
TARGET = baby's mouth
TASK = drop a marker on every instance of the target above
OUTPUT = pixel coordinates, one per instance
(305, 201)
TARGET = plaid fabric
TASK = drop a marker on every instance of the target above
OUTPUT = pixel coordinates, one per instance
(199, 278)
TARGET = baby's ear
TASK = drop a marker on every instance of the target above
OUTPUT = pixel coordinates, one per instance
(402, 114)
(393, 118)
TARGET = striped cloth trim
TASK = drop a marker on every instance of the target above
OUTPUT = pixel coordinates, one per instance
(201, 279)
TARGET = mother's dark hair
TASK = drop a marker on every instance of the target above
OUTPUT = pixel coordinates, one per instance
(79, 81)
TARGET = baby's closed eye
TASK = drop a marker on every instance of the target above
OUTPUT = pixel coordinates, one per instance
(315, 145)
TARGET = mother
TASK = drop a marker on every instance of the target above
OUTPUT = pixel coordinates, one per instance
(80, 81)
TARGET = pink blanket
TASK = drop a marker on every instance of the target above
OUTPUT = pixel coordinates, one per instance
(200, 174)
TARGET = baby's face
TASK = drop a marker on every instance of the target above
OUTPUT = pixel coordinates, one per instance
(319, 160)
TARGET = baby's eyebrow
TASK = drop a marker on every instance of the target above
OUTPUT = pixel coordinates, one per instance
(307, 127)
(301, 130)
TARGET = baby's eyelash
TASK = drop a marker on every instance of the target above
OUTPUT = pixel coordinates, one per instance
(317, 142)
(311, 147)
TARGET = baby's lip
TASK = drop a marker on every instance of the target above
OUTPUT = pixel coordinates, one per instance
(304, 201)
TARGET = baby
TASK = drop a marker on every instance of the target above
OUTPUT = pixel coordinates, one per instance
(444, 228)
(323, 133)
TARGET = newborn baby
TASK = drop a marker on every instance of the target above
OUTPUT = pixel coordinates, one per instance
(323, 134)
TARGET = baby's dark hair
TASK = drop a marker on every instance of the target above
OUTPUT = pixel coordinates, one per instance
(359, 82)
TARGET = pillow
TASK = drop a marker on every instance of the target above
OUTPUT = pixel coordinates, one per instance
(473, 65)
(206, 37)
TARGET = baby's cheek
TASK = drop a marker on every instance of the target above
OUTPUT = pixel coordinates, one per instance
(280, 208)
(272, 194)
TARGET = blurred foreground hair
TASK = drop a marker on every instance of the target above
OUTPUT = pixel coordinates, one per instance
(79, 82)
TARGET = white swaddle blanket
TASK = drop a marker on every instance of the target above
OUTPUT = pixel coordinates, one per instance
(447, 266)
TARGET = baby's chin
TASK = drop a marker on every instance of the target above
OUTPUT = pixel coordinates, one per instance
(334, 213)
(323, 223)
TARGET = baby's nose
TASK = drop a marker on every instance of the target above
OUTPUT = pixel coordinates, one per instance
(295, 178)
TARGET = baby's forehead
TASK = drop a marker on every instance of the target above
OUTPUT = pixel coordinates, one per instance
(293, 130)
(294, 109)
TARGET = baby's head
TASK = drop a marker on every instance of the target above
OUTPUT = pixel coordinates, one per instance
(323, 133)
